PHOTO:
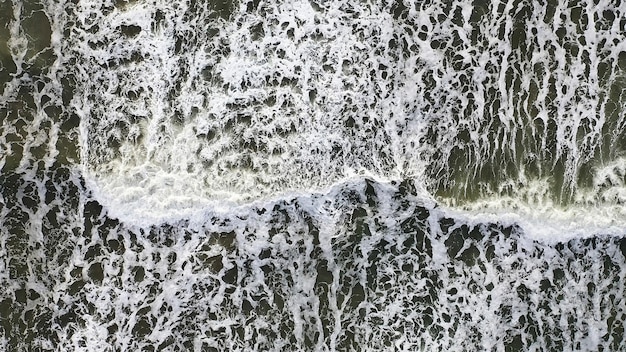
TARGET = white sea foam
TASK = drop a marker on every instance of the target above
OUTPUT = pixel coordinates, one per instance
(182, 112)
(546, 223)
(265, 127)
(348, 175)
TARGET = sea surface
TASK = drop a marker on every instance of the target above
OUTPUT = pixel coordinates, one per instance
(307, 175)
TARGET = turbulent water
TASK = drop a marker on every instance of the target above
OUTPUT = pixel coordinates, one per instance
(186, 175)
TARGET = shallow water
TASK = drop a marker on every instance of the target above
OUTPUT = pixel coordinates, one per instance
(216, 176)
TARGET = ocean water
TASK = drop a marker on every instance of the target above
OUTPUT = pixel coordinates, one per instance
(350, 175)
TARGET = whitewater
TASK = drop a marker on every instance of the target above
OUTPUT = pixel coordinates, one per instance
(312, 176)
